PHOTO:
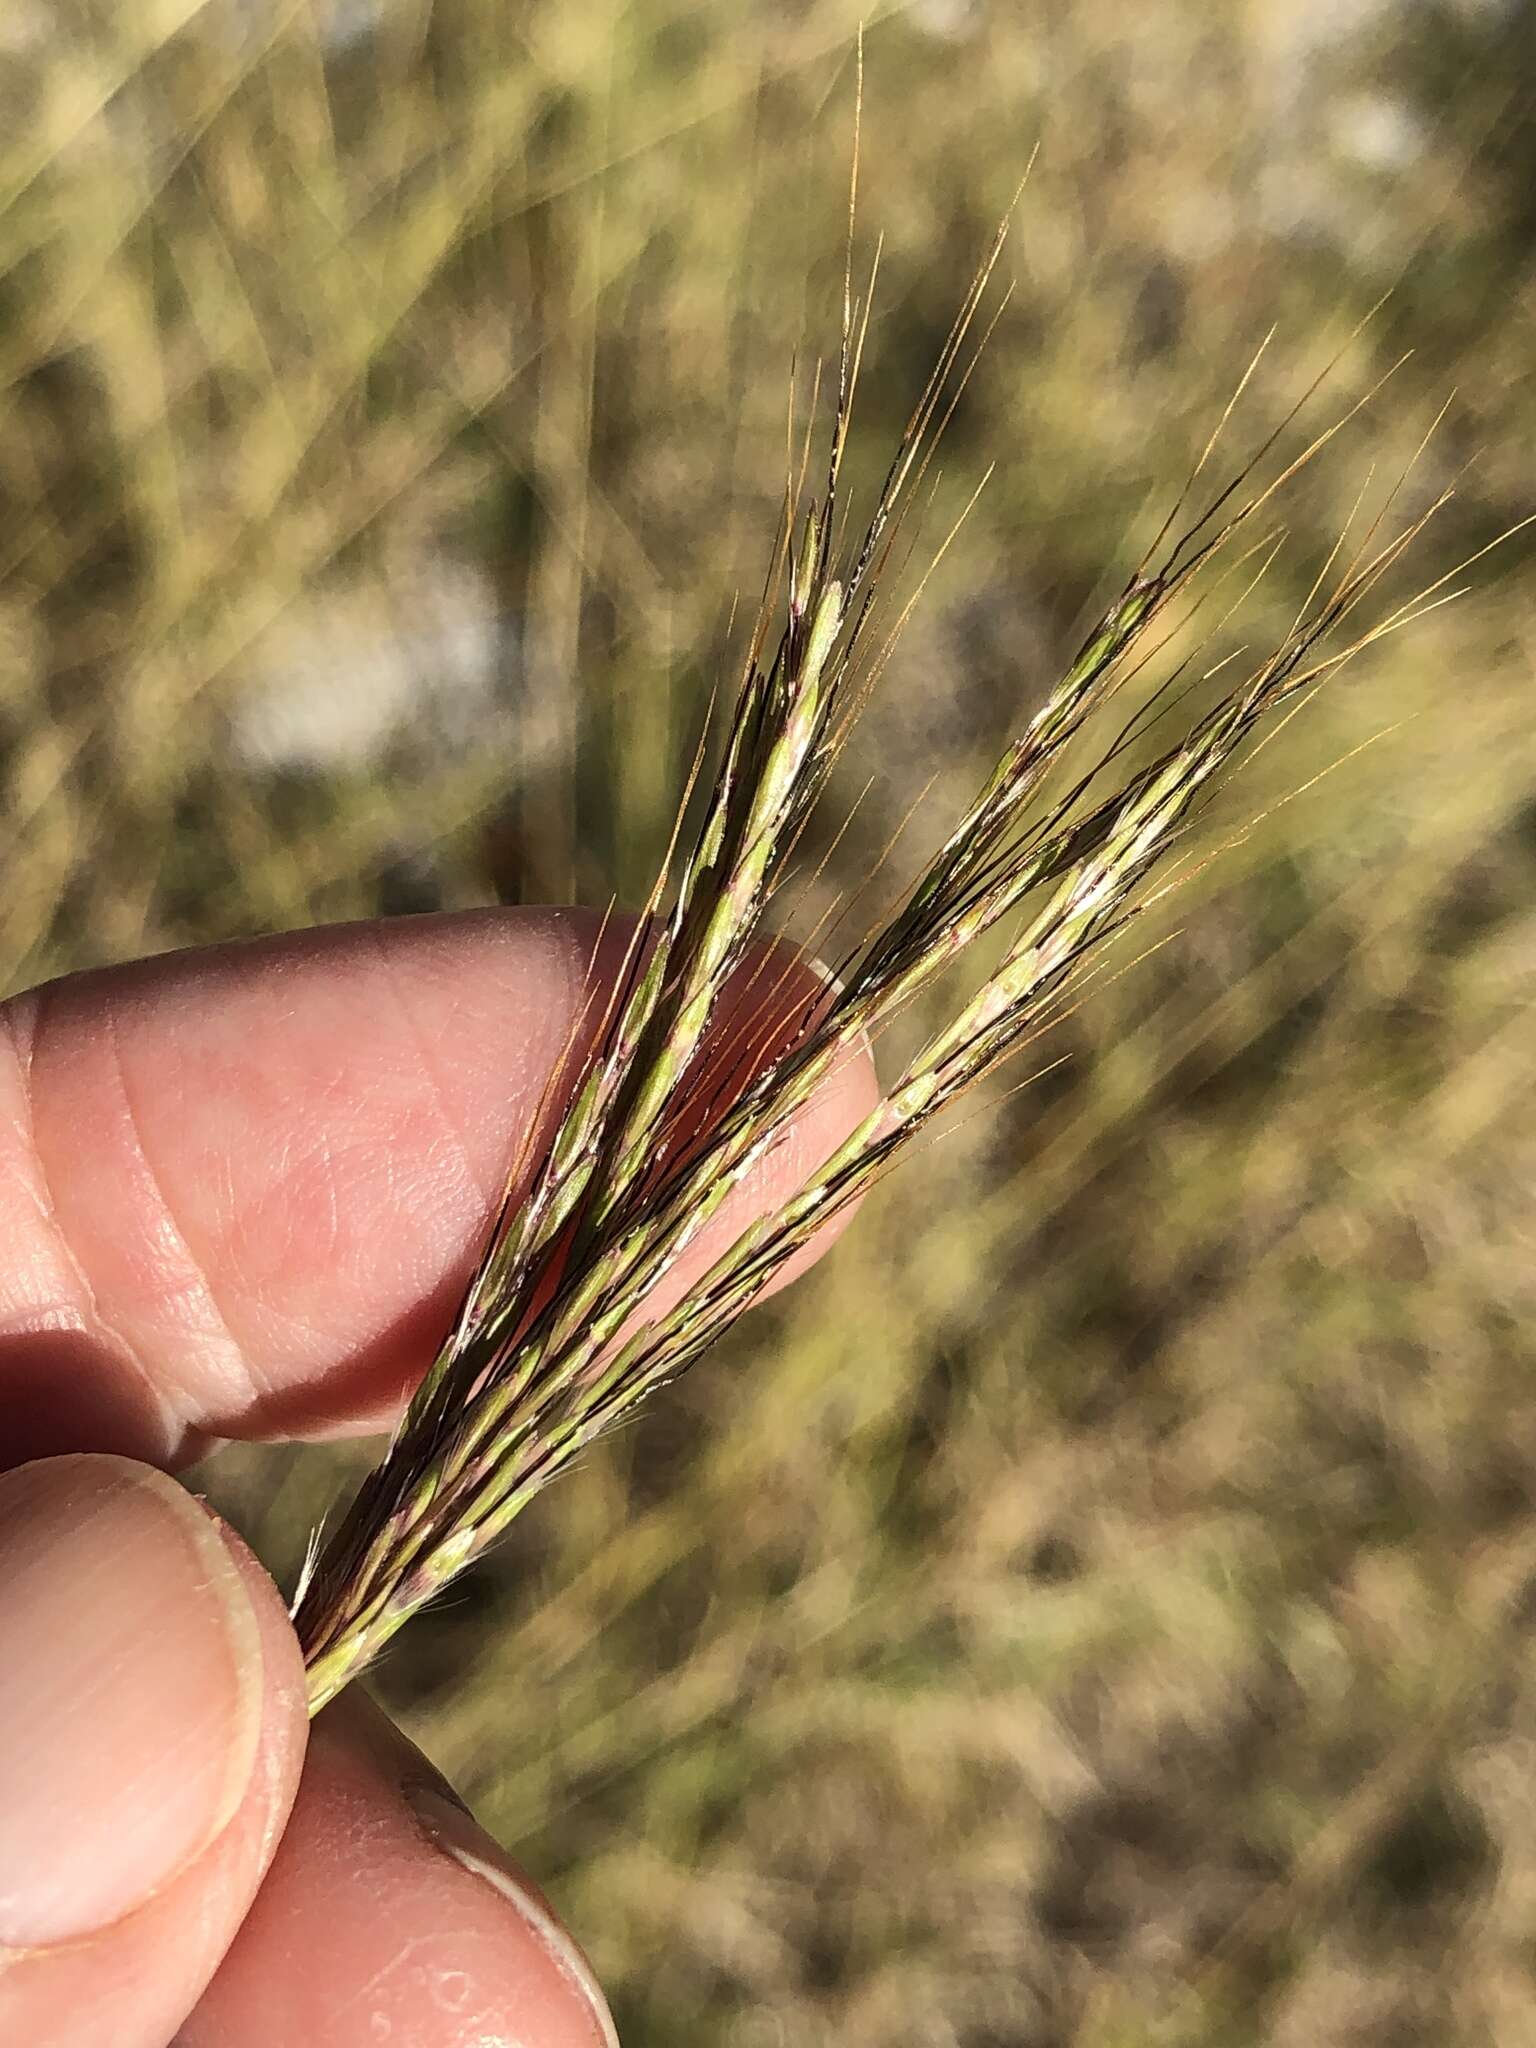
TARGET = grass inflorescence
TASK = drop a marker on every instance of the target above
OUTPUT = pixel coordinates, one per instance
(1064, 844)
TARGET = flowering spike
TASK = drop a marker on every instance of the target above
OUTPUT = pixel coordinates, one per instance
(554, 1343)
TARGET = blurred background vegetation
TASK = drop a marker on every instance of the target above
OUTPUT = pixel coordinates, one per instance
(1097, 1606)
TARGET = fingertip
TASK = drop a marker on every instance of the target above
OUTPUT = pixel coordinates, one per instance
(151, 1726)
(582, 2019)
(295, 1148)
(121, 1611)
(776, 996)
(388, 1914)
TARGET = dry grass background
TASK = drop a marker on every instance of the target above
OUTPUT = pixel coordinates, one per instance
(1096, 1607)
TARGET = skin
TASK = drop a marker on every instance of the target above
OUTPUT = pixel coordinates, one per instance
(240, 1191)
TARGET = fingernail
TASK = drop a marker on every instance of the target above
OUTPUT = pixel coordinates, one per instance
(130, 1692)
(452, 1830)
(861, 1043)
(826, 974)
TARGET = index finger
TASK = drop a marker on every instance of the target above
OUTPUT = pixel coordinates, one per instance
(241, 1189)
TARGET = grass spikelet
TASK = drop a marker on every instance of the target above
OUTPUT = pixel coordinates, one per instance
(1057, 852)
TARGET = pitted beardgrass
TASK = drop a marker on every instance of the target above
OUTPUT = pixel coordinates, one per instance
(1064, 844)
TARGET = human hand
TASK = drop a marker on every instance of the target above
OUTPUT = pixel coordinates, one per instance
(240, 1191)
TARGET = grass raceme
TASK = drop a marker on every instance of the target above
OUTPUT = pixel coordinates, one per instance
(1076, 829)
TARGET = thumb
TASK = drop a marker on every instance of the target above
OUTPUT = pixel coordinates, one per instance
(151, 1730)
